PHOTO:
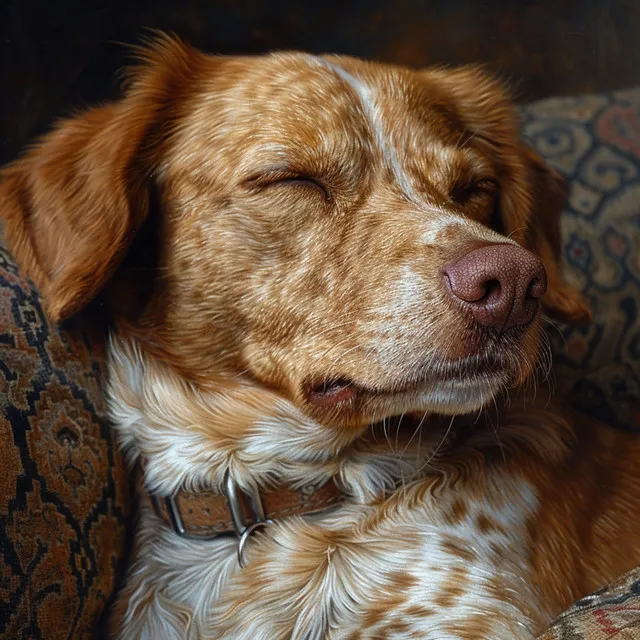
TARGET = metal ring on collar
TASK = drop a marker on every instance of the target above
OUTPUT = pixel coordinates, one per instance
(246, 534)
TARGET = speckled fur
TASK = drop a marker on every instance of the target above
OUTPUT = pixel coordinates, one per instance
(261, 225)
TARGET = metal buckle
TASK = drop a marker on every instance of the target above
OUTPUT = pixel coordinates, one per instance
(232, 491)
(244, 529)
(176, 519)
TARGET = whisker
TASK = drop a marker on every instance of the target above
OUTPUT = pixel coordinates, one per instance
(516, 231)
(335, 346)
(342, 355)
(398, 429)
(553, 325)
(420, 437)
(437, 449)
(417, 429)
(386, 433)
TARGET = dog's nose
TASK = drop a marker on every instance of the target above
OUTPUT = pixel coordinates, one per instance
(499, 284)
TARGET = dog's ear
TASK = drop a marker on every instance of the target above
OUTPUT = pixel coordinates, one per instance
(71, 206)
(481, 101)
(543, 236)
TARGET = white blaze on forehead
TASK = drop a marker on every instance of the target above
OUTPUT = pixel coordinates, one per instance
(371, 109)
(439, 220)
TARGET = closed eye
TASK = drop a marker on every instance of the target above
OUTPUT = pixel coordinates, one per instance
(289, 178)
(306, 182)
(485, 185)
(462, 193)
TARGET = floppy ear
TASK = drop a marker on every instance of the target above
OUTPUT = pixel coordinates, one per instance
(71, 206)
(543, 236)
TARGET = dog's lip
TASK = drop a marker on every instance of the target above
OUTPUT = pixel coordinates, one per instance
(331, 392)
(340, 390)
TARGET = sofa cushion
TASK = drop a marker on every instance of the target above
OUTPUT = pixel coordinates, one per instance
(612, 612)
(63, 486)
(594, 142)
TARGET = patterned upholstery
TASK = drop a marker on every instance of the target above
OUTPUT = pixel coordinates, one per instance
(63, 487)
(594, 141)
(612, 612)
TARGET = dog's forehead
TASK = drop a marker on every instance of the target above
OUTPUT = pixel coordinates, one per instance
(318, 87)
(323, 107)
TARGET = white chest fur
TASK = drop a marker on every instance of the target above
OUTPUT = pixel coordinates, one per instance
(431, 561)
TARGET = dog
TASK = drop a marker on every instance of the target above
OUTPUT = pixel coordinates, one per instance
(326, 281)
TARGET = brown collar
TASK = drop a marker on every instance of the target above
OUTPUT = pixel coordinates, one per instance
(205, 514)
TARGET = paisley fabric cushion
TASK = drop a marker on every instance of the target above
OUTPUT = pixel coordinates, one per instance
(594, 141)
(612, 612)
(63, 487)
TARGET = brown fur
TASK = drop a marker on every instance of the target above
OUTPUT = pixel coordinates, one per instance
(74, 204)
(250, 234)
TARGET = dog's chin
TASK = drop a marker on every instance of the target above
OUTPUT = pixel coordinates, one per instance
(445, 397)
(346, 404)
(459, 387)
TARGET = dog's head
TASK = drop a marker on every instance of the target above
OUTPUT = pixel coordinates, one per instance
(362, 239)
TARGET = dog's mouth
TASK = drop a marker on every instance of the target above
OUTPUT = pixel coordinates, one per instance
(332, 392)
(339, 390)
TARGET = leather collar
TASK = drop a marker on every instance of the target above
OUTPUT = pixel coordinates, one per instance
(205, 515)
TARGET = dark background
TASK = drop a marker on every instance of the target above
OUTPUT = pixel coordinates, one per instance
(60, 55)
